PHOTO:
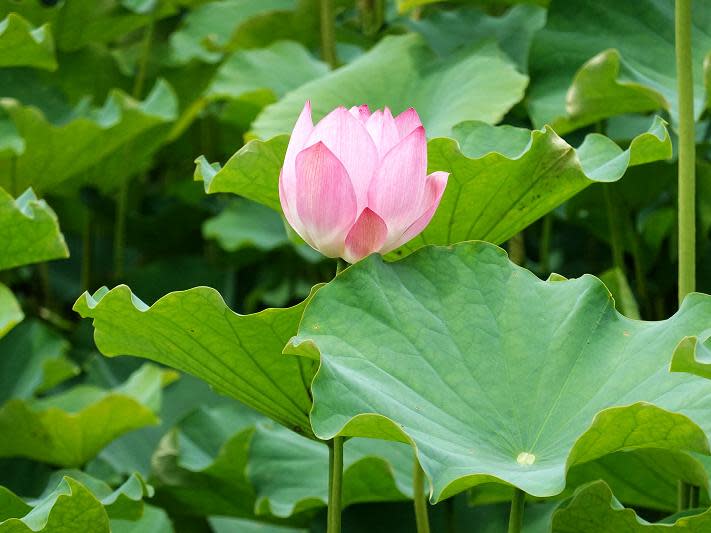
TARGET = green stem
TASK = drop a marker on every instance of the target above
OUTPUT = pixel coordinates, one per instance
(694, 493)
(328, 33)
(372, 15)
(682, 496)
(335, 477)
(85, 276)
(517, 248)
(516, 516)
(545, 245)
(122, 198)
(418, 482)
(687, 149)
(687, 161)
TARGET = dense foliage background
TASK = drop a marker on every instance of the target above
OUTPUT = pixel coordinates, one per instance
(105, 107)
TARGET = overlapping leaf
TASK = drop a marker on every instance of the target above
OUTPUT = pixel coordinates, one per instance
(246, 225)
(21, 45)
(53, 153)
(594, 60)
(29, 231)
(70, 428)
(10, 311)
(74, 500)
(33, 360)
(501, 178)
(594, 509)
(494, 374)
(476, 83)
(194, 331)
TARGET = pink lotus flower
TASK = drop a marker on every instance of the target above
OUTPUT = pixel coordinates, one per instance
(357, 183)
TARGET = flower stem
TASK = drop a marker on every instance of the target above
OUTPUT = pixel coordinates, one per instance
(328, 33)
(687, 157)
(122, 198)
(85, 275)
(421, 516)
(516, 515)
(335, 478)
(687, 151)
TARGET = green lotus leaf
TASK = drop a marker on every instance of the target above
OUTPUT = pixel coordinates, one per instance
(594, 509)
(224, 524)
(54, 153)
(246, 225)
(541, 170)
(476, 83)
(154, 519)
(406, 5)
(528, 378)
(290, 473)
(73, 498)
(33, 359)
(693, 355)
(207, 30)
(22, 45)
(504, 178)
(599, 59)
(253, 172)
(29, 231)
(200, 467)
(10, 311)
(195, 332)
(447, 30)
(278, 68)
(70, 428)
(78, 24)
(646, 477)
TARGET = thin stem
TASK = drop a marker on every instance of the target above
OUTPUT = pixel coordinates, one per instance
(545, 246)
(335, 477)
(687, 161)
(687, 149)
(516, 515)
(517, 248)
(694, 493)
(328, 33)
(682, 496)
(372, 15)
(418, 482)
(122, 198)
(85, 276)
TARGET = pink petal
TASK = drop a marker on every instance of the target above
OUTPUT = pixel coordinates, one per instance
(407, 121)
(325, 201)
(287, 179)
(361, 112)
(398, 185)
(289, 209)
(434, 190)
(347, 138)
(382, 129)
(366, 236)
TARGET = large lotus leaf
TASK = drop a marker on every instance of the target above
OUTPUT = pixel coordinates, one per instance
(29, 231)
(598, 59)
(594, 509)
(476, 83)
(200, 467)
(290, 473)
(32, 360)
(405, 5)
(154, 519)
(207, 30)
(278, 68)
(502, 178)
(10, 311)
(70, 428)
(74, 501)
(246, 225)
(528, 377)
(79, 23)
(54, 153)
(21, 45)
(447, 30)
(196, 332)
(224, 524)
